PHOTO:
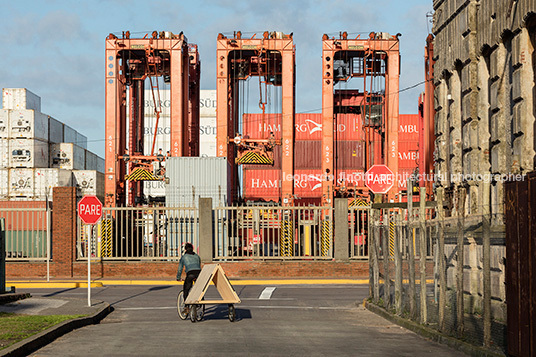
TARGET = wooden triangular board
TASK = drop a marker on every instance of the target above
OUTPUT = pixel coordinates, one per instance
(212, 273)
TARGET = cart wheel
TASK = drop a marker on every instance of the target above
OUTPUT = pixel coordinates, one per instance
(200, 312)
(181, 306)
(193, 313)
(232, 313)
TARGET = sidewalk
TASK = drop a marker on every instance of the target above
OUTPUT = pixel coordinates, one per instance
(49, 305)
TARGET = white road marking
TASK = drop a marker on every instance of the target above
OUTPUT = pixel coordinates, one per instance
(250, 307)
(267, 293)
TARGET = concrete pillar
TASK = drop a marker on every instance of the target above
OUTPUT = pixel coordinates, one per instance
(455, 125)
(2, 255)
(484, 167)
(341, 246)
(206, 234)
(442, 132)
(522, 95)
(64, 218)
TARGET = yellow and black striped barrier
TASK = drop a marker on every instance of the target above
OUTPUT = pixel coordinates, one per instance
(253, 157)
(106, 238)
(140, 174)
(391, 240)
(326, 237)
(358, 203)
(286, 238)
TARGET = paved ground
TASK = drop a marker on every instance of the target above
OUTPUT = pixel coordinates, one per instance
(303, 320)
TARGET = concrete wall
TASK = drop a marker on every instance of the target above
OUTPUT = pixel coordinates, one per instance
(484, 100)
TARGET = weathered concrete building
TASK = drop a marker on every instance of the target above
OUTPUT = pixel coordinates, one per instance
(484, 98)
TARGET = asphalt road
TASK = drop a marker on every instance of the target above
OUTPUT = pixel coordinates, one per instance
(297, 320)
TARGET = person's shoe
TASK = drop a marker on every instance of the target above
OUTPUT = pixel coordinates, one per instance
(186, 310)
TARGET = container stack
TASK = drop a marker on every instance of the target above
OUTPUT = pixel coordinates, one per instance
(38, 152)
(207, 131)
(408, 147)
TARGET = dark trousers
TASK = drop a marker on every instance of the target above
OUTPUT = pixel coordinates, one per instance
(191, 276)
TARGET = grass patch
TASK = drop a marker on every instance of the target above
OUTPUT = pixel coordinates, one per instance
(16, 327)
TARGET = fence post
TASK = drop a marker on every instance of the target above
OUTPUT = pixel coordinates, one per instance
(386, 218)
(411, 253)
(2, 255)
(422, 255)
(341, 249)
(398, 265)
(460, 262)
(374, 246)
(486, 266)
(442, 262)
(205, 229)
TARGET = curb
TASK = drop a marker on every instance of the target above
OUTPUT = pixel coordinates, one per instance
(11, 297)
(432, 334)
(101, 283)
(35, 342)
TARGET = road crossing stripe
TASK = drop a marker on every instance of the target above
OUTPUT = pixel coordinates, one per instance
(267, 293)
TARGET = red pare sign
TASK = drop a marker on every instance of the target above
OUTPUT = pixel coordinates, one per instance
(379, 178)
(90, 209)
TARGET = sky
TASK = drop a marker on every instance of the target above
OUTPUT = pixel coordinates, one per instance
(56, 48)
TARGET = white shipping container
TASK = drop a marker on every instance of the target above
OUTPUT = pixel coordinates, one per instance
(4, 123)
(91, 161)
(28, 124)
(55, 130)
(81, 140)
(4, 153)
(156, 189)
(67, 156)
(4, 183)
(28, 153)
(46, 179)
(89, 182)
(20, 98)
(69, 134)
(207, 102)
(101, 164)
(21, 183)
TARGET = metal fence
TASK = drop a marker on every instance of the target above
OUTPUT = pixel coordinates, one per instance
(273, 233)
(358, 230)
(139, 233)
(27, 232)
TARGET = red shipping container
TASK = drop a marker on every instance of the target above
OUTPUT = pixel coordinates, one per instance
(261, 184)
(307, 154)
(348, 127)
(349, 155)
(408, 127)
(402, 177)
(408, 154)
(23, 220)
(308, 183)
(308, 126)
(350, 178)
(253, 125)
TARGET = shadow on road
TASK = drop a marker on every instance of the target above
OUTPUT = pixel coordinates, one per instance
(221, 312)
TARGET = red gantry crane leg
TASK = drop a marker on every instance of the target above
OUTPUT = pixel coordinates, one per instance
(129, 63)
(272, 59)
(376, 61)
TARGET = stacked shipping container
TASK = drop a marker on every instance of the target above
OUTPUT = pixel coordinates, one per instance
(264, 182)
(408, 147)
(37, 152)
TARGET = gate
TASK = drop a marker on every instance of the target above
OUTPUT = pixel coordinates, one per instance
(520, 205)
(139, 233)
(259, 232)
